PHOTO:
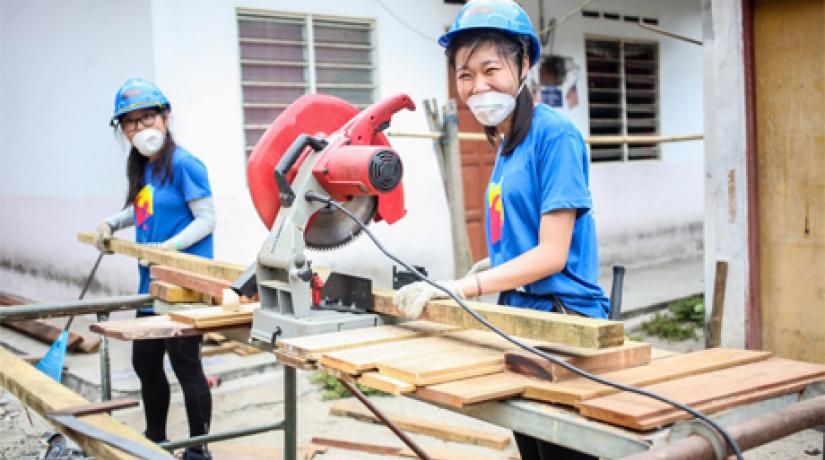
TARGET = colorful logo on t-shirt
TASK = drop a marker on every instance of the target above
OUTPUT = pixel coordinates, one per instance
(144, 206)
(495, 210)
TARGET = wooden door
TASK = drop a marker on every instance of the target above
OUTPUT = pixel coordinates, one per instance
(477, 160)
(789, 78)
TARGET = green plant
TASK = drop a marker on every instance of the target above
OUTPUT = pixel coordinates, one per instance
(334, 389)
(680, 321)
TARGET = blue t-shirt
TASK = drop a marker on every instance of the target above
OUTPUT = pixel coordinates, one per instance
(547, 171)
(162, 209)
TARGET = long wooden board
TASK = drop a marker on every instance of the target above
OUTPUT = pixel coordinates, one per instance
(385, 383)
(428, 426)
(311, 347)
(435, 453)
(42, 394)
(194, 281)
(149, 327)
(474, 390)
(211, 317)
(710, 391)
(364, 358)
(660, 370)
(552, 327)
(564, 330)
(188, 262)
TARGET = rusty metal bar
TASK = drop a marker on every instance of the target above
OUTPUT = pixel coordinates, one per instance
(750, 434)
(659, 30)
(386, 421)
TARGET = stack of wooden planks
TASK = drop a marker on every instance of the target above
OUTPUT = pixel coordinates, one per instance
(461, 367)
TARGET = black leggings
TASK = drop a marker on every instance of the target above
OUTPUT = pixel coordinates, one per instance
(185, 356)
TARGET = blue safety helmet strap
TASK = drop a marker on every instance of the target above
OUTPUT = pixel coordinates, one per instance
(138, 94)
(504, 15)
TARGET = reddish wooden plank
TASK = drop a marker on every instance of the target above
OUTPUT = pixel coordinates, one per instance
(631, 354)
(715, 391)
(189, 280)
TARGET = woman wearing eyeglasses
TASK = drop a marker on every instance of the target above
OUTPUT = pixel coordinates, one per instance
(169, 201)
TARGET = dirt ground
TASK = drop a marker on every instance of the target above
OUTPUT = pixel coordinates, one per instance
(257, 399)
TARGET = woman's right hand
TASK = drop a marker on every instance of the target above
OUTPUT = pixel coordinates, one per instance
(103, 234)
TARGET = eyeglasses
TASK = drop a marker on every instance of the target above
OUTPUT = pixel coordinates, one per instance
(131, 124)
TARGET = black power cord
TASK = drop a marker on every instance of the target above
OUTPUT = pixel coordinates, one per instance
(312, 196)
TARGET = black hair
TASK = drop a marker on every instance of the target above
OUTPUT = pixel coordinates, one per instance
(136, 166)
(509, 49)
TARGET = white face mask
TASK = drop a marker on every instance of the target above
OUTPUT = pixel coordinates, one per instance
(492, 107)
(148, 141)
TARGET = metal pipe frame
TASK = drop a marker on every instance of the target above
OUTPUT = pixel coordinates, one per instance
(748, 434)
(75, 307)
(105, 368)
(213, 437)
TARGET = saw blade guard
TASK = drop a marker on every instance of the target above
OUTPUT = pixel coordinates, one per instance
(358, 167)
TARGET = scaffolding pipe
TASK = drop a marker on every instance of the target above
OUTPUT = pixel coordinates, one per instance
(753, 433)
(75, 307)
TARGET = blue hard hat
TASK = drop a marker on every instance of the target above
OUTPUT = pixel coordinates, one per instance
(504, 15)
(138, 94)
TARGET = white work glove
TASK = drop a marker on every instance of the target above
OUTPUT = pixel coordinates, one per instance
(478, 267)
(412, 298)
(103, 233)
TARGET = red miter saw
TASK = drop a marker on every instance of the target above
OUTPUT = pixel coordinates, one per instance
(319, 145)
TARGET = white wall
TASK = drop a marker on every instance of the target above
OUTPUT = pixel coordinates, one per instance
(646, 211)
(197, 64)
(62, 168)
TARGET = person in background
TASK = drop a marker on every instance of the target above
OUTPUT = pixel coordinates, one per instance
(169, 202)
(541, 235)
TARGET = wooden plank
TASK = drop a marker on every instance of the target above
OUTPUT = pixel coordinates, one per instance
(293, 361)
(433, 452)
(630, 355)
(364, 358)
(714, 391)
(149, 327)
(564, 330)
(385, 383)
(227, 347)
(460, 393)
(310, 347)
(199, 283)
(181, 260)
(171, 293)
(43, 331)
(660, 370)
(42, 394)
(443, 366)
(212, 317)
(571, 330)
(426, 426)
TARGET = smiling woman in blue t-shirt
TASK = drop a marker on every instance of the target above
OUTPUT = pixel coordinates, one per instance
(541, 235)
(169, 201)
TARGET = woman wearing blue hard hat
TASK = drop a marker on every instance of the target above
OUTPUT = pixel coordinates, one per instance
(169, 202)
(541, 236)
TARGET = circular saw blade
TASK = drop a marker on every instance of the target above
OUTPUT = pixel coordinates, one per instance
(330, 228)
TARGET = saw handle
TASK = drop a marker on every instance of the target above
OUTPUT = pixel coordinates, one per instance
(292, 154)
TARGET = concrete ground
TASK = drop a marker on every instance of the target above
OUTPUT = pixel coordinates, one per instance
(252, 393)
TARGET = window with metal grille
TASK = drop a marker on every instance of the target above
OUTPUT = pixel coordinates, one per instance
(284, 56)
(623, 94)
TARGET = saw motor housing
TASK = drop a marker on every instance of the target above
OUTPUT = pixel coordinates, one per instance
(354, 165)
